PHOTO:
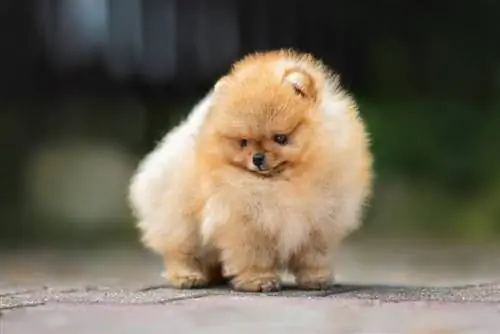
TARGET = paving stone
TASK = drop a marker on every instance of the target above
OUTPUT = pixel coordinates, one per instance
(253, 314)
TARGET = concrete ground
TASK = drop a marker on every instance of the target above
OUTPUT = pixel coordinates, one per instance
(428, 291)
(159, 309)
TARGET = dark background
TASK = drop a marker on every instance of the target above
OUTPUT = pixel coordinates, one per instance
(88, 87)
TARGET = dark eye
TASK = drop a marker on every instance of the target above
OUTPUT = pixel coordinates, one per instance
(243, 143)
(281, 139)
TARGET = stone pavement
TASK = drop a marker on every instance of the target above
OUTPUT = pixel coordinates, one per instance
(86, 309)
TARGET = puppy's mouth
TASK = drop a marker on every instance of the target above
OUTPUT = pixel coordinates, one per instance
(280, 167)
(268, 172)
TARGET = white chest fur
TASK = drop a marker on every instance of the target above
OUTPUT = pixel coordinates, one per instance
(279, 213)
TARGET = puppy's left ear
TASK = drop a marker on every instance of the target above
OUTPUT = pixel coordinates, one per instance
(302, 82)
(221, 83)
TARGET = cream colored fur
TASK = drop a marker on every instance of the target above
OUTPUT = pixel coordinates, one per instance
(251, 228)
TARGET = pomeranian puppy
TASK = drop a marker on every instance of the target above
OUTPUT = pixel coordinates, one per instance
(269, 173)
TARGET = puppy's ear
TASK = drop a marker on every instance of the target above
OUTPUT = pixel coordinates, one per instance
(301, 81)
(221, 83)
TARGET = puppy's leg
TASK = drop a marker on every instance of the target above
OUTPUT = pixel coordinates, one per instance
(184, 270)
(177, 240)
(249, 257)
(312, 265)
(193, 270)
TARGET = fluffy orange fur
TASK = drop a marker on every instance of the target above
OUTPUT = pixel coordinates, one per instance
(212, 212)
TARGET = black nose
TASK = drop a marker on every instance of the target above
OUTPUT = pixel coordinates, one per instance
(258, 159)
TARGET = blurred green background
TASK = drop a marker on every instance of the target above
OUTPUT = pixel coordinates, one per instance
(89, 87)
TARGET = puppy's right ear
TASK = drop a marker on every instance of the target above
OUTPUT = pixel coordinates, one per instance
(301, 81)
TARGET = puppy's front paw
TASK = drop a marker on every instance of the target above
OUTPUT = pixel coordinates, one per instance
(256, 283)
(188, 280)
(314, 281)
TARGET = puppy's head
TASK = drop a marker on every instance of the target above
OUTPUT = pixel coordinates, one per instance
(262, 117)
